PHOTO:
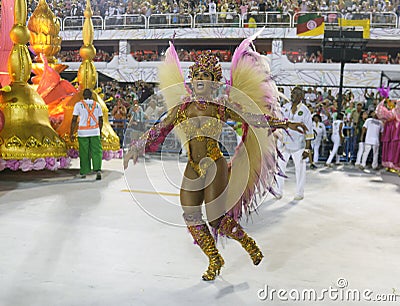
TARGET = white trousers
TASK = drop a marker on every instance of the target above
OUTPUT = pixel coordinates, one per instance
(360, 153)
(336, 145)
(375, 152)
(316, 145)
(300, 171)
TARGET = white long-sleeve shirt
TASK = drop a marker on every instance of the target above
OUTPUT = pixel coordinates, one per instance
(295, 141)
(319, 131)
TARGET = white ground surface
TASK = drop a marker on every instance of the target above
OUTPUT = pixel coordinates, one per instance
(66, 241)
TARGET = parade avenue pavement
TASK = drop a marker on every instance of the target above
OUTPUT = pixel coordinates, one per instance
(69, 241)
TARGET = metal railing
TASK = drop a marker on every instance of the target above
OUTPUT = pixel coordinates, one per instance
(268, 19)
(217, 20)
(376, 19)
(160, 21)
(76, 23)
(125, 22)
(222, 19)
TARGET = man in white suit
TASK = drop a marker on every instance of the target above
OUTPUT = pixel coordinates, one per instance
(295, 144)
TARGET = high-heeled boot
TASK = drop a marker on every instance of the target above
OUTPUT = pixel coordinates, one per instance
(202, 236)
(229, 227)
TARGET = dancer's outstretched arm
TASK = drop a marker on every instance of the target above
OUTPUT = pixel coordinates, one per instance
(264, 121)
(151, 139)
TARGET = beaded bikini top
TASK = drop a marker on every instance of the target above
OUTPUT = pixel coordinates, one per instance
(210, 126)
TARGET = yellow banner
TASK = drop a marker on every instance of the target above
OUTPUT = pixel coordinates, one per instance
(356, 23)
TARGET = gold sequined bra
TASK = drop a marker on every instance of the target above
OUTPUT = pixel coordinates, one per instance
(209, 131)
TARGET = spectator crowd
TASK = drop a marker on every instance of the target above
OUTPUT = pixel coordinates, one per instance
(368, 57)
(352, 117)
(227, 8)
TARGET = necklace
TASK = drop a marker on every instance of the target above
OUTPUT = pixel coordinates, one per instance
(200, 103)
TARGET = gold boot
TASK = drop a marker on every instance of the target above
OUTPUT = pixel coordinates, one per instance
(202, 236)
(229, 227)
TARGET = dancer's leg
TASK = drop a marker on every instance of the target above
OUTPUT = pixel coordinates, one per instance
(336, 145)
(316, 147)
(192, 196)
(367, 149)
(84, 155)
(375, 156)
(300, 172)
(229, 227)
(97, 152)
(215, 191)
(359, 153)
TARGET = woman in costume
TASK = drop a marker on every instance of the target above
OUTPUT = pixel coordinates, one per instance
(198, 111)
(390, 115)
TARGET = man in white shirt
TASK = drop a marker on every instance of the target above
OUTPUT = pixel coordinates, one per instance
(372, 130)
(89, 134)
(310, 97)
(295, 144)
(212, 10)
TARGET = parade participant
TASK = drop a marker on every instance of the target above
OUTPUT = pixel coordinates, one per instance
(89, 131)
(199, 116)
(372, 129)
(337, 139)
(319, 135)
(389, 112)
(295, 144)
(119, 114)
(361, 141)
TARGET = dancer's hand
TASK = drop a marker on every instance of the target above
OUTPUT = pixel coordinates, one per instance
(298, 127)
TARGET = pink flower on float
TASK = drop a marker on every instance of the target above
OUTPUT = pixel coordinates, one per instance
(12, 164)
(3, 164)
(26, 165)
(51, 163)
(39, 164)
(119, 154)
(107, 155)
(73, 153)
(64, 162)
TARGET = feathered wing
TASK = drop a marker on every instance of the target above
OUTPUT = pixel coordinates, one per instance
(252, 92)
(171, 78)
(172, 84)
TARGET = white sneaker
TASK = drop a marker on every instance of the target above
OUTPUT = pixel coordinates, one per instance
(298, 197)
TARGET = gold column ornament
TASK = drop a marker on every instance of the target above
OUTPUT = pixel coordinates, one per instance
(87, 78)
(27, 131)
(44, 29)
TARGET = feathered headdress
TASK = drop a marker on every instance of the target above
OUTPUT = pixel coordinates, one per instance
(207, 61)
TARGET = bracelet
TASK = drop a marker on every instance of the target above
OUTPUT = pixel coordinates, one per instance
(307, 150)
(276, 122)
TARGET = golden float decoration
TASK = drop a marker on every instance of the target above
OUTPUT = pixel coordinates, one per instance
(87, 78)
(27, 132)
